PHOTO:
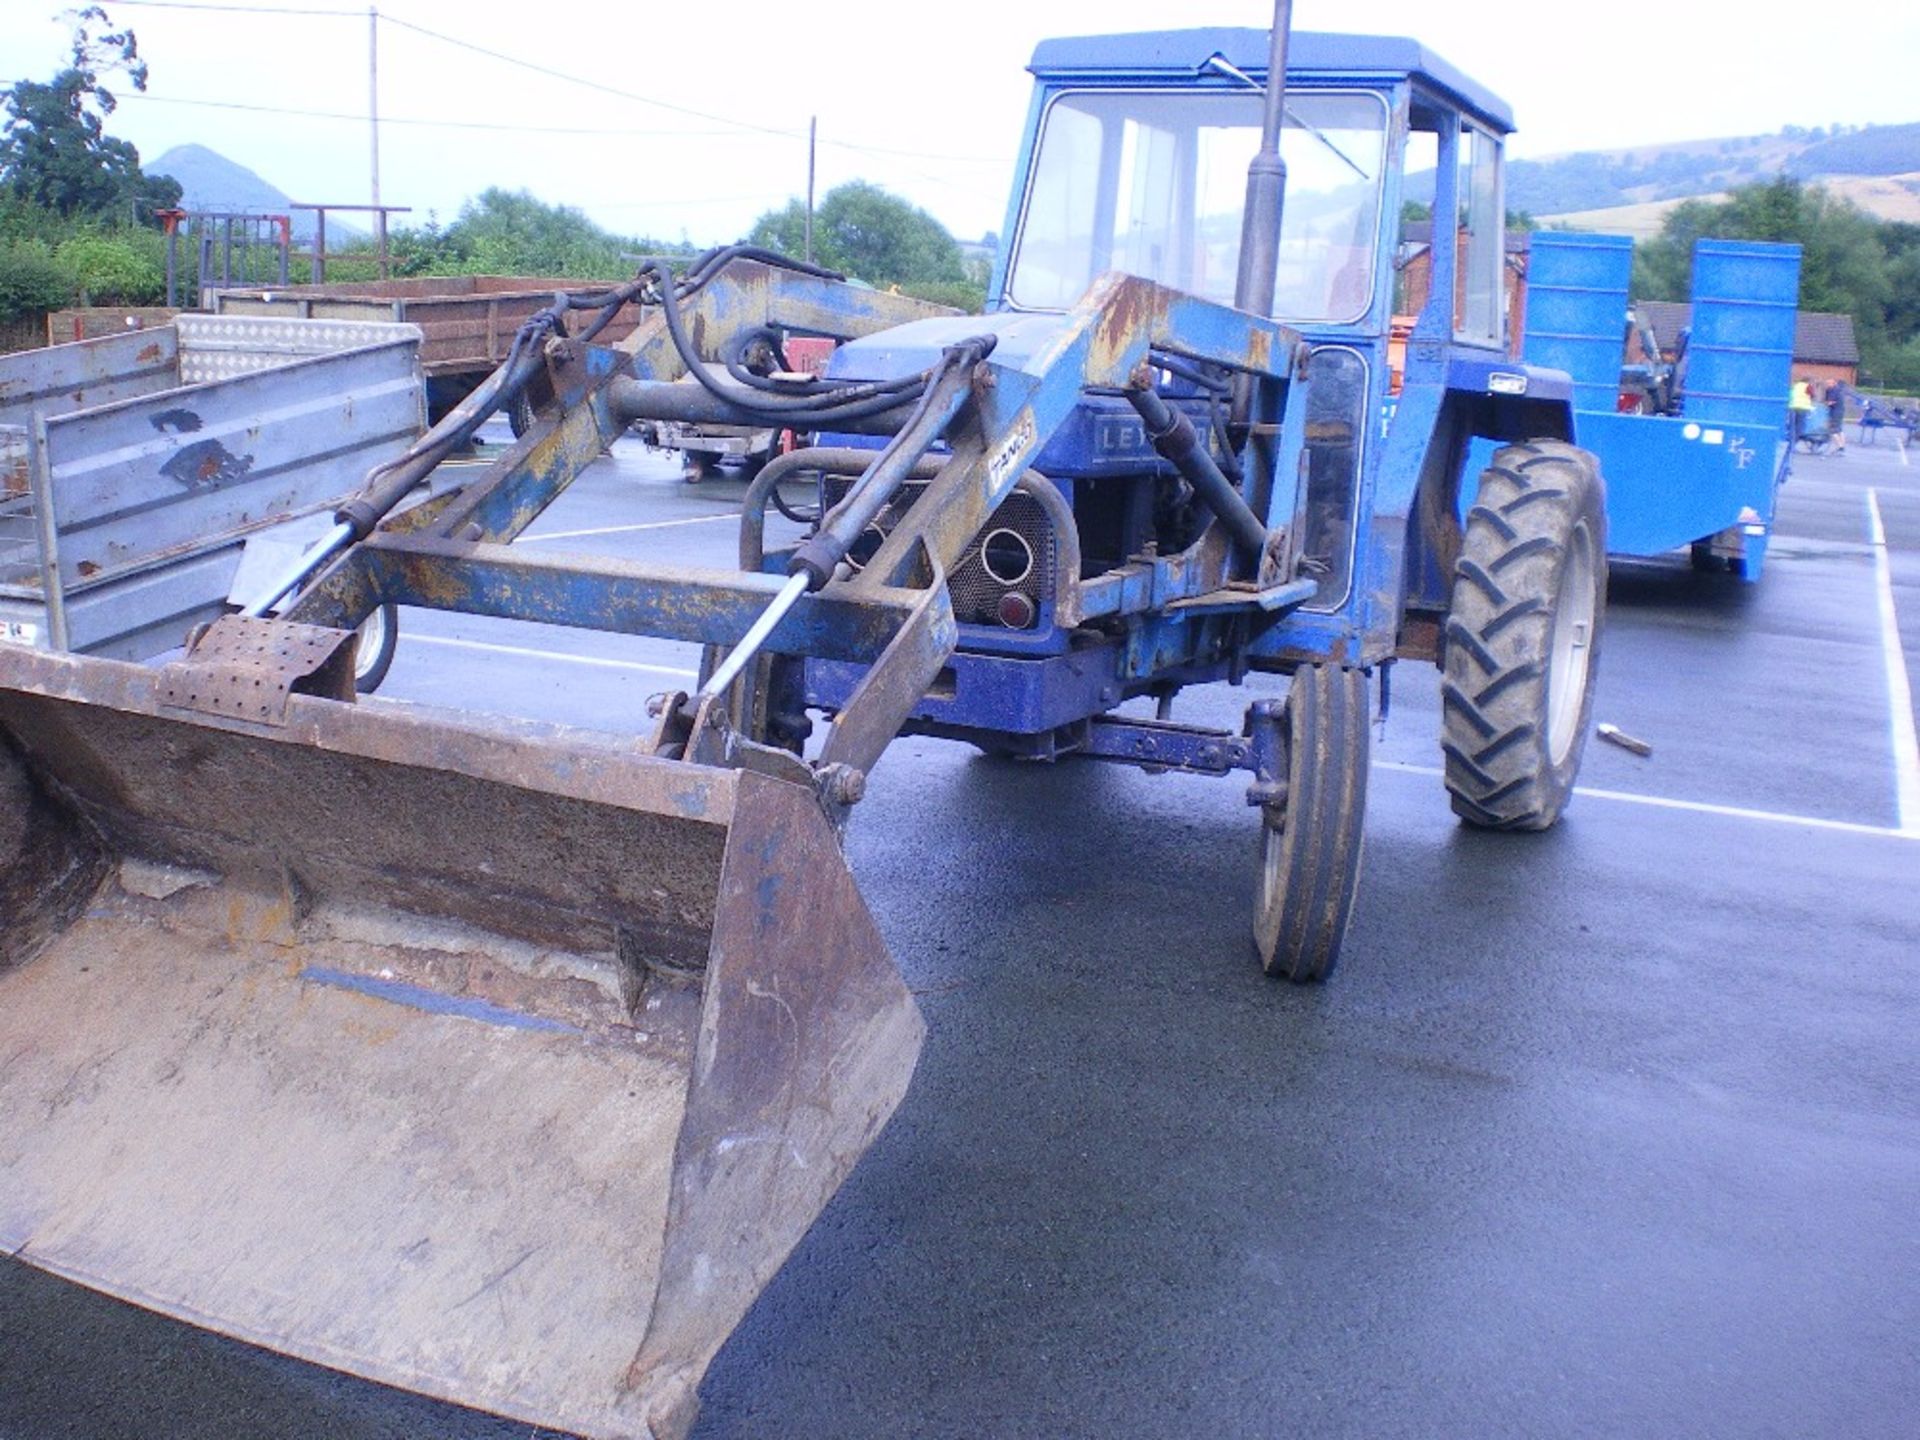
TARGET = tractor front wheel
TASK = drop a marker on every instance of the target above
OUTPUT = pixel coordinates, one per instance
(1311, 837)
(1523, 636)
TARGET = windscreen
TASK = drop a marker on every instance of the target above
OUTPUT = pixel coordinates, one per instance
(1153, 183)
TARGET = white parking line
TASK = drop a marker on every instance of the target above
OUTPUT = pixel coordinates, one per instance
(627, 529)
(1698, 807)
(527, 653)
(1905, 831)
(1906, 748)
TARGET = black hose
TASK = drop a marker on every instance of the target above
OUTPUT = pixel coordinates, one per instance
(389, 483)
(821, 553)
(818, 460)
(791, 385)
(704, 266)
(838, 405)
(798, 517)
(1228, 461)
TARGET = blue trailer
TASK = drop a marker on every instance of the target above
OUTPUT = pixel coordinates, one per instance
(1702, 476)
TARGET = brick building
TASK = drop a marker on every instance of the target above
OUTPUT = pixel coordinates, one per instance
(1824, 348)
(1416, 276)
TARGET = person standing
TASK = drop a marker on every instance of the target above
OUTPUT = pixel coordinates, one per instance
(1837, 415)
(1799, 407)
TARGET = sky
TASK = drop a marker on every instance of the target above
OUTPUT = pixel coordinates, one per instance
(711, 128)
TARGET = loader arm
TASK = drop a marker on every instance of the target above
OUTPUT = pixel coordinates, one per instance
(894, 615)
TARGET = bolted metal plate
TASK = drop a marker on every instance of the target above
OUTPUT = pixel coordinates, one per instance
(245, 668)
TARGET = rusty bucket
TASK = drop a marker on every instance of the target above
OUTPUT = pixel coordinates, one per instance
(491, 1060)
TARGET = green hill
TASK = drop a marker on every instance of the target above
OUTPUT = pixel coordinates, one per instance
(1879, 150)
(1603, 179)
(213, 182)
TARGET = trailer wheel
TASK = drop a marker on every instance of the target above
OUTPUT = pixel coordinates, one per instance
(1311, 839)
(373, 656)
(1523, 636)
(520, 414)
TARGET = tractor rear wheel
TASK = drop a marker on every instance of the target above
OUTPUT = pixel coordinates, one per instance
(1311, 838)
(1523, 636)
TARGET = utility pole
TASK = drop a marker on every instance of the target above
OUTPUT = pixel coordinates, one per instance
(813, 124)
(373, 94)
(373, 129)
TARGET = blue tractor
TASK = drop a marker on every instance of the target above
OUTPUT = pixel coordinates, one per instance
(595, 1024)
(1205, 515)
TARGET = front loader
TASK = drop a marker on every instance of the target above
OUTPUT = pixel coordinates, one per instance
(507, 1062)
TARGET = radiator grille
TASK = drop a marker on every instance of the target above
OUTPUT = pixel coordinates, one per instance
(990, 568)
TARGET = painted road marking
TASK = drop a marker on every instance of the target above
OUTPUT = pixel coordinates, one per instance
(1697, 807)
(527, 653)
(627, 529)
(1906, 749)
(1625, 797)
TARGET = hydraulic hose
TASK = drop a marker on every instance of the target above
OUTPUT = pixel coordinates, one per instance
(838, 460)
(1174, 437)
(390, 483)
(834, 407)
(841, 528)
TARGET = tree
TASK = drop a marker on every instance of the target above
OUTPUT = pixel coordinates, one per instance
(1850, 263)
(511, 232)
(54, 149)
(1843, 264)
(861, 229)
(32, 282)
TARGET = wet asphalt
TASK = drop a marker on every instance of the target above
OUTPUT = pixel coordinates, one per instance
(1612, 1131)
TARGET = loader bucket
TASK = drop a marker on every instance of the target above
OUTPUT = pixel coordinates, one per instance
(494, 1061)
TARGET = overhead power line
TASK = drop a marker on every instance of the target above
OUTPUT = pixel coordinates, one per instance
(582, 81)
(484, 125)
(562, 75)
(241, 9)
(361, 119)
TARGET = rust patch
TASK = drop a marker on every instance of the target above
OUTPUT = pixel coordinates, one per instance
(149, 354)
(1260, 349)
(1419, 637)
(1130, 312)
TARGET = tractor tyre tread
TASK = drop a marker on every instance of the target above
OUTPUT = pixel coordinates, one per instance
(1322, 831)
(1498, 635)
(521, 416)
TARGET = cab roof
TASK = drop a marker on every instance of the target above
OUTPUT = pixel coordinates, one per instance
(1162, 54)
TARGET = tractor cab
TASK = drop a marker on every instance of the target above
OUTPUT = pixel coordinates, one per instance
(1135, 159)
